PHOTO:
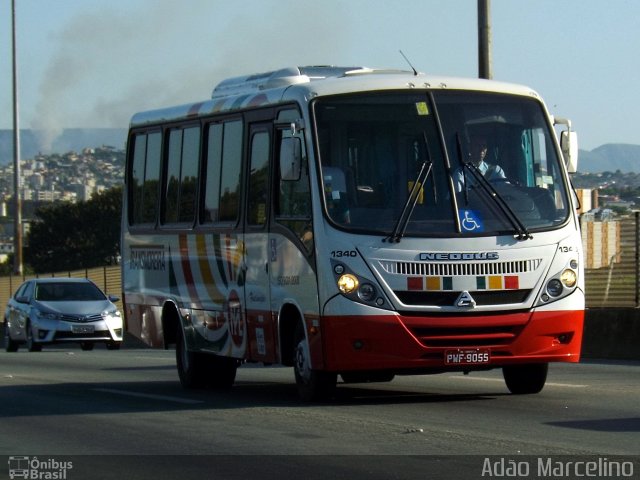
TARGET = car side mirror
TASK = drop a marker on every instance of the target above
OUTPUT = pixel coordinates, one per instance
(113, 298)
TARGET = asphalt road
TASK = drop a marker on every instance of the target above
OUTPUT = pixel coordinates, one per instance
(116, 411)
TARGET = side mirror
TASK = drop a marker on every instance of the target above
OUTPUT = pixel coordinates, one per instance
(569, 146)
(290, 158)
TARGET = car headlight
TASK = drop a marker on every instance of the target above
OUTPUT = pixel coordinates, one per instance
(47, 315)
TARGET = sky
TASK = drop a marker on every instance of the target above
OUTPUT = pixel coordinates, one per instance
(93, 63)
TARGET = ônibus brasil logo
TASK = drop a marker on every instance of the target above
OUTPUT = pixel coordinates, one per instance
(38, 469)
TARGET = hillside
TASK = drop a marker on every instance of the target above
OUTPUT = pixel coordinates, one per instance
(609, 157)
(72, 139)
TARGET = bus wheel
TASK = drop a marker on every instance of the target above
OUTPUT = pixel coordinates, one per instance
(222, 371)
(312, 384)
(190, 364)
(525, 379)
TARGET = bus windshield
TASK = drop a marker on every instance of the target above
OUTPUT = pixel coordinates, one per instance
(491, 162)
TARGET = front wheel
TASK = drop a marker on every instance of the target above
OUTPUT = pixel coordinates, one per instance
(312, 384)
(86, 346)
(9, 344)
(190, 365)
(32, 346)
(222, 371)
(525, 379)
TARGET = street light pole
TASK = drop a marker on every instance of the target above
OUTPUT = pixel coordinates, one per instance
(17, 217)
(484, 40)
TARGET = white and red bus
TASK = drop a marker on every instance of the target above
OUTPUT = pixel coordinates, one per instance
(357, 223)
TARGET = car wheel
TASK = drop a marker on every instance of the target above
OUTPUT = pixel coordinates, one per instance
(312, 384)
(9, 344)
(113, 345)
(86, 346)
(32, 346)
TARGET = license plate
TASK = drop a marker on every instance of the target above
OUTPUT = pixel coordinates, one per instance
(82, 328)
(474, 356)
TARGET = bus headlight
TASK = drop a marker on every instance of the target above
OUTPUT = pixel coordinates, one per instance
(367, 292)
(569, 278)
(347, 283)
(554, 287)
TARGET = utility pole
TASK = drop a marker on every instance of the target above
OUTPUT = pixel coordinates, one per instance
(484, 39)
(17, 216)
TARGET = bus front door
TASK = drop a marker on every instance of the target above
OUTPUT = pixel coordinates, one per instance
(259, 321)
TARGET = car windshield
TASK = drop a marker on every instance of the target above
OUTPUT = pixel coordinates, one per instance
(65, 292)
(490, 163)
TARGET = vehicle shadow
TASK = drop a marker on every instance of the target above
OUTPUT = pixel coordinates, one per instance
(602, 424)
(76, 398)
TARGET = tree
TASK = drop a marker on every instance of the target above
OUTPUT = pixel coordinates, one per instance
(72, 236)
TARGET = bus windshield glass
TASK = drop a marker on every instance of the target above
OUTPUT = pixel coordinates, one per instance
(491, 161)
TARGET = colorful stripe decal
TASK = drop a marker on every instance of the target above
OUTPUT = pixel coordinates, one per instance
(186, 268)
(489, 282)
(205, 271)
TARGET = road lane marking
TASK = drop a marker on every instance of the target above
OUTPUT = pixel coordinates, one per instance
(548, 384)
(187, 401)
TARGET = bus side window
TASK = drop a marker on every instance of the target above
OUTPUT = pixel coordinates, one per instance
(182, 173)
(145, 179)
(258, 179)
(222, 173)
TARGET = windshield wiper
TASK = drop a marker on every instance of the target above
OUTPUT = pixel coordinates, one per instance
(423, 175)
(401, 225)
(490, 191)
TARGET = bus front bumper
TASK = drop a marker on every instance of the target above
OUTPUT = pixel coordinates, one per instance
(441, 343)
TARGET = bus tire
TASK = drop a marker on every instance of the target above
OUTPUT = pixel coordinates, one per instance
(221, 373)
(191, 365)
(312, 384)
(525, 379)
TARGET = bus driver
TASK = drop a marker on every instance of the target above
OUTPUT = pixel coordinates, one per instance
(477, 155)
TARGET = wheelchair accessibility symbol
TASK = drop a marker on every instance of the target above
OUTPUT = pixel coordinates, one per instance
(470, 221)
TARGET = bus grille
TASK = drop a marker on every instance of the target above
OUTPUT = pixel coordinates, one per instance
(466, 336)
(457, 269)
(82, 318)
(448, 298)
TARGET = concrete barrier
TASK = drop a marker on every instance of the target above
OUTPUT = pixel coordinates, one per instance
(611, 333)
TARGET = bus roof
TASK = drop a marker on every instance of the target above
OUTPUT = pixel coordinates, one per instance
(274, 87)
